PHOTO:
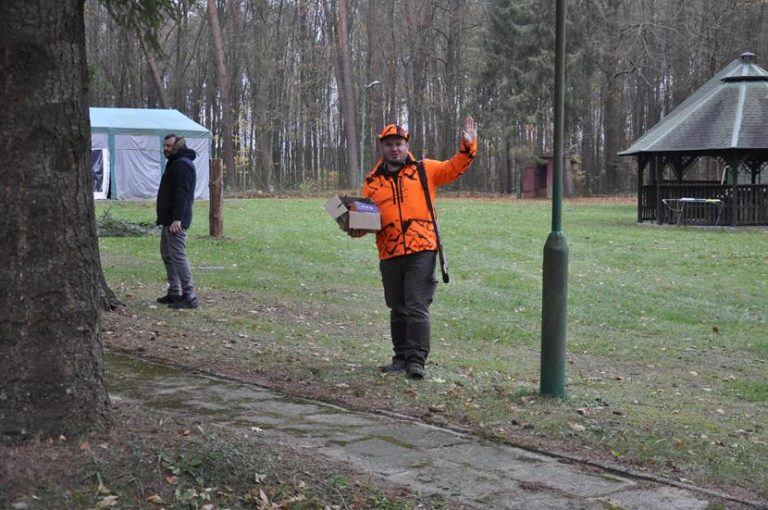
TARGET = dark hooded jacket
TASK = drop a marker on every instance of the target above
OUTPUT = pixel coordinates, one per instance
(177, 188)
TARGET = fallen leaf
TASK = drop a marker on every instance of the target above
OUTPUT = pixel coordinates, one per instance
(107, 502)
(156, 499)
(264, 500)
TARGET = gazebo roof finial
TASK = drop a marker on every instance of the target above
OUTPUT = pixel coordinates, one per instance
(748, 57)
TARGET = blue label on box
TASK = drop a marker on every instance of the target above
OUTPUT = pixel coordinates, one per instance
(364, 207)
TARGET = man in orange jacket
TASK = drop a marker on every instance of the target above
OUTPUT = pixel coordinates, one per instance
(407, 241)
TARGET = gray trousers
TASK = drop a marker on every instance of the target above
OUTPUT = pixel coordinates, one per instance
(409, 287)
(173, 250)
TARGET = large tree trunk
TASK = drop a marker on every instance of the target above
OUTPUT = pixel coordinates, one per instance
(51, 360)
(418, 17)
(226, 109)
(376, 71)
(612, 121)
(348, 98)
(346, 88)
(107, 299)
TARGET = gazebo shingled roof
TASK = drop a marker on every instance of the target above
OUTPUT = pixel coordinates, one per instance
(726, 118)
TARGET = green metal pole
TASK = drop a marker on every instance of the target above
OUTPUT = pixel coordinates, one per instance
(555, 279)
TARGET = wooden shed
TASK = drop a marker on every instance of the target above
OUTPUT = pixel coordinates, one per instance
(537, 177)
(725, 122)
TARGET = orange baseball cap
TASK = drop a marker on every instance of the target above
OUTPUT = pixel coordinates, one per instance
(393, 130)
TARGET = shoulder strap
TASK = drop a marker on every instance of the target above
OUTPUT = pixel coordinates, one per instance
(423, 179)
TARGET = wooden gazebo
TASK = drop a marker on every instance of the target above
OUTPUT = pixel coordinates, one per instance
(725, 122)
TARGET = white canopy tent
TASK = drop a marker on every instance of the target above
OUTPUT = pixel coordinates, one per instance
(127, 146)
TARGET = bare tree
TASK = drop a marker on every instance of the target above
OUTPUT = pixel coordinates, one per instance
(226, 109)
(155, 72)
(338, 24)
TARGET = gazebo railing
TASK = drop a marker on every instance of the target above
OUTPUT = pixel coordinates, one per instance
(752, 207)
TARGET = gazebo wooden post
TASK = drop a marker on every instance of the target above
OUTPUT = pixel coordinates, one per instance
(641, 163)
(655, 166)
(679, 169)
(735, 161)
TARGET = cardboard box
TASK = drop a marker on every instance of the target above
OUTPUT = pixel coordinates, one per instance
(354, 213)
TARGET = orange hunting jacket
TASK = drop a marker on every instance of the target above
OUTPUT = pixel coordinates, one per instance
(406, 226)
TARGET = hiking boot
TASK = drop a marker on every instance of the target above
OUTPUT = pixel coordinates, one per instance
(184, 302)
(169, 298)
(396, 367)
(415, 371)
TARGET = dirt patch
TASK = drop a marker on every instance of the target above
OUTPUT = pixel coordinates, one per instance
(232, 355)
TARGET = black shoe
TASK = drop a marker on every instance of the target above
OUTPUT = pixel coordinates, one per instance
(169, 298)
(184, 302)
(415, 371)
(396, 367)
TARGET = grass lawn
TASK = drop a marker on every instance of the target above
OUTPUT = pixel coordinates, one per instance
(667, 338)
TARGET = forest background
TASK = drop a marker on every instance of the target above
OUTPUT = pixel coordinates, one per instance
(299, 88)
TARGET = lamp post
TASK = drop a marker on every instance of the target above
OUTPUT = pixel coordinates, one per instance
(555, 277)
(363, 93)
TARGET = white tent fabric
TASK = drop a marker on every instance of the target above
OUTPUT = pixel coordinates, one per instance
(202, 147)
(132, 141)
(138, 167)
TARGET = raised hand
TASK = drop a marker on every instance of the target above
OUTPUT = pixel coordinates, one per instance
(470, 129)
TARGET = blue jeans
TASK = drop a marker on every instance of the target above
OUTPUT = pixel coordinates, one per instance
(173, 250)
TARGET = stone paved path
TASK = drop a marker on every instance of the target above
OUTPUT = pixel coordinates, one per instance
(430, 460)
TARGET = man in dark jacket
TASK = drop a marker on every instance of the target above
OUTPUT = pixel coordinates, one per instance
(174, 212)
